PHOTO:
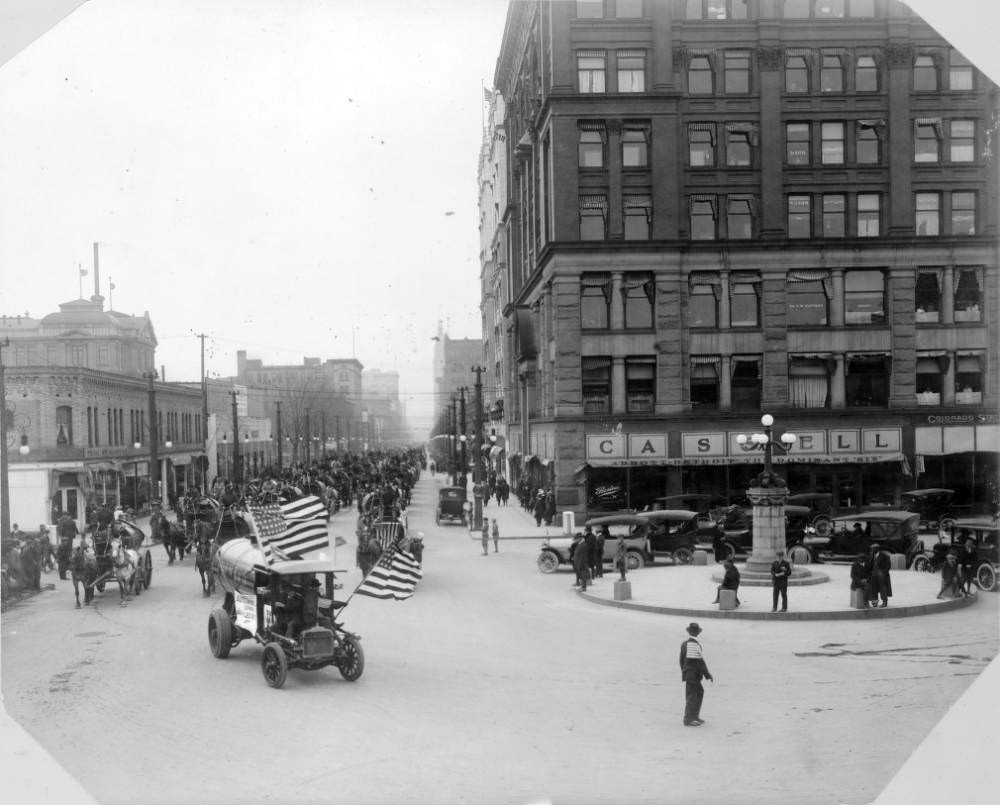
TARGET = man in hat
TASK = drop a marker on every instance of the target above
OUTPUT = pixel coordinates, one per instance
(693, 669)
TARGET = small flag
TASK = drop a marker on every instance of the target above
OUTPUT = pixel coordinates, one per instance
(487, 95)
(292, 529)
(394, 576)
(339, 542)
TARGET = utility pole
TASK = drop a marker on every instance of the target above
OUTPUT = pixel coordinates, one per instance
(278, 404)
(477, 452)
(337, 418)
(323, 432)
(4, 488)
(204, 416)
(237, 468)
(154, 441)
(463, 438)
(308, 438)
(454, 441)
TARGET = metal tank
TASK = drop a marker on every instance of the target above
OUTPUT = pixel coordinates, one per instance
(235, 564)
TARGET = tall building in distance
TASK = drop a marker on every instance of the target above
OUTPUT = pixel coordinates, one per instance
(716, 209)
(454, 360)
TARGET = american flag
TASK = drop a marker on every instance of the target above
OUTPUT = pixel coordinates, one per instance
(292, 529)
(394, 576)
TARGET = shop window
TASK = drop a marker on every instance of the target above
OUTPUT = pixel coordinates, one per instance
(703, 219)
(703, 303)
(744, 301)
(929, 380)
(968, 379)
(834, 215)
(640, 385)
(959, 72)
(590, 69)
(595, 302)
(638, 294)
(968, 295)
(832, 143)
(635, 148)
(739, 218)
(638, 215)
(963, 213)
(864, 297)
(927, 297)
(64, 425)
(628, 9)
(797, 144)
(927, 140)
(831, 73)
(799, 216)
(962, 141)
(925, 74)
(737, 72)
(808, 299)
(797, 74)
(746, 384)
(596, 385)
(699, 76)
(867, 380)
(631, 70)
(701, 145)
(865, 74)
(591, 148)
(740, 140)
(869, 215)
(704, 383)
(928, 214)
(867, 143)
(593, 217)
(808, 382)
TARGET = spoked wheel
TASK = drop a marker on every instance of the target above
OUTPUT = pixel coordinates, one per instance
(548, 562)
(799, 555)
(945, 527)
(986, 577)
(683, 556)
(921, 564)
(220, 633)
(274, 665)
(728, 551)
(634, 560)
(352, 662)
(823, 525)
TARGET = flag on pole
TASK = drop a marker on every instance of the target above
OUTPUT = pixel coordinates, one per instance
(292, 529)
(394, 576)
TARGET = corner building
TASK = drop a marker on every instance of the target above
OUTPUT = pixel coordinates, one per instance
(718, 209)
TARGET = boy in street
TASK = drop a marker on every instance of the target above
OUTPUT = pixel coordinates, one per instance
(693, 669)
(780, 571)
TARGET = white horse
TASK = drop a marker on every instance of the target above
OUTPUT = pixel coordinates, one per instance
(126, 564)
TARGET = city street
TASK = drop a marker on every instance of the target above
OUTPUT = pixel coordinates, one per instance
(495, 683)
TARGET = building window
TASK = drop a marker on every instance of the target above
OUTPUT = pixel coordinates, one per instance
(640, 385)
(746, 385)
(593, 217)
(103, 356)
(638, 293)
(590, 69)
(703, 219)
(962, 141)
(868, 144)
(927, 297)
(797, 145)
(591, 148)
(796, 9)
(831, 73)
(968, 378)
(808, 298)
(716, 9)
(740, 138)
(799, 216)
(595, 302)
(628, 9)
(739, 218)
(703, 304)
(927, 141)
(64, 425)
(862, 8)
(928, 380)
(869, 215)
(700, 76)
(596, 385)
(832, 143)
(797, 74)
(834, 215)
(808, 382)
(959, 72)
(963, 213)
(590, 9)
(928, 214)
(638, 214)
(925, 74)
(867, 380)
(864, 297)
(90, 428)
(831, 9)
(704, 383)
(701, 145)
(635, 148)
(968, 295)
(631, 71)
(744, 301)
(737, 72)
(77, 354)
(865, 74)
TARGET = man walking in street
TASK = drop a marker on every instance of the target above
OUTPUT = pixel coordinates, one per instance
(486, 536)
(581, 561)
(780, 571)
(496, 537)
(693, 669)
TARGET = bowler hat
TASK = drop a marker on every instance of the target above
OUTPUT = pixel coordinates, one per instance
(693, 629)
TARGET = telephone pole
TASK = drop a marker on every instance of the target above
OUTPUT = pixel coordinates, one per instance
(322, 415)
(463, 438)
(278, 405)
(337, 418)
(154, 441)
(237, 468)
(308, 438)
(454, 441)
(4, 488)
(477, 452)
(204, 417)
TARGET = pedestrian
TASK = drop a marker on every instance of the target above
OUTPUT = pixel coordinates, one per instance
(693, 669)
(967, 562)
(580, 559)
(539, 508)
(730, 580)
(496, 537)
(486, 536)
(881, 585)
(780, 571)
(593, 557)
(550, 507)
(861, 576)
(621, 556)
(950, 577)
(600, 538)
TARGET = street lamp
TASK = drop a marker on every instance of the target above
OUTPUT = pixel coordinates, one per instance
(766, 441)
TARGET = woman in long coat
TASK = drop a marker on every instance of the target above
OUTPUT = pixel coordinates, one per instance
(881, 582)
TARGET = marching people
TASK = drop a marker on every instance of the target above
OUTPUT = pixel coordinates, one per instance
(496, 537)
(730, 580)
(780, 571)
(693, 670)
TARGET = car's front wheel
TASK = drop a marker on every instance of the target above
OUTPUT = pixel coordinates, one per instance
(274, 665)
(986, 577)
(634, 560)
(548, 562)
(683, 556)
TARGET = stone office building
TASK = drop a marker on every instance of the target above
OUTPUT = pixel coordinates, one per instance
(721, 208)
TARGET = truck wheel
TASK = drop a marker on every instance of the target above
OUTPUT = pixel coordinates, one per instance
(548, 562)
(274, 665)
(352, 662)
(634, 560)
(220, 633)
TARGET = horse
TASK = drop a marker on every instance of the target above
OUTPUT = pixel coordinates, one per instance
(203, 562)
(126, 566)
(83, 569)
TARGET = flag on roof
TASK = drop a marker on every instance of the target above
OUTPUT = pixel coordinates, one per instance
(395, 575)
(292, 529)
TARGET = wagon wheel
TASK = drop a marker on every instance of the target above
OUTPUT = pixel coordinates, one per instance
(352, 661)
(274, 665)
(148, 564)
(220, 633)
(986, 577)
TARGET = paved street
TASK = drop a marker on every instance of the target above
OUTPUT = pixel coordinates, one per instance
(494, 683)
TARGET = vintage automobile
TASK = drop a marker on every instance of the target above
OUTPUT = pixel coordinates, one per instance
(451, 506)
(821, 510)
(983, 531)
(677, 533)
(693, 501)
(287, 607)
(556, 551)
(736, 526)
(895, 531)
(934, 507)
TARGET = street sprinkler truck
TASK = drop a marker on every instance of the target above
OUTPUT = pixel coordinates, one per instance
(287, 606)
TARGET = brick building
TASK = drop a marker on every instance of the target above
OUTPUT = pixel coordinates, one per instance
(721, 208)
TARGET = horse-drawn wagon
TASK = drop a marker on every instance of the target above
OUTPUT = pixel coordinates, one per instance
(121, 557)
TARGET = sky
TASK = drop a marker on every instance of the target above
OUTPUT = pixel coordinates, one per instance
(291, 177)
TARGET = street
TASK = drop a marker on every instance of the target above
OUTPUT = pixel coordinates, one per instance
(494, 683)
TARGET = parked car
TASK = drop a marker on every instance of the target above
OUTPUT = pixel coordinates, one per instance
(820, 506)
(556, 551)
(451, 506)
(736, 524)
(895, 531)
(984, 532)
(934, 507)
(677, 532)
(692, 501)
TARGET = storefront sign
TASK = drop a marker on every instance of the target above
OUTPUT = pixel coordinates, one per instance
(963, 419)
(647, 445)
(703, 445)
(605, 446)
(881, 440)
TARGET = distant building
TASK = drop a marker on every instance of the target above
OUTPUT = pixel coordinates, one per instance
(454, 360)
(380, 398)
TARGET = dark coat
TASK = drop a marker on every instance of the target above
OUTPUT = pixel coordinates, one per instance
(881, 581)
(780, 571)
(731, 578)
(860, 574)
(693, 669)
(581, 559)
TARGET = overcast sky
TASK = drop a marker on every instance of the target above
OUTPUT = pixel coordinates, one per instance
(291, 177)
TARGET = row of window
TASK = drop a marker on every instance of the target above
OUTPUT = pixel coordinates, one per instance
(808, 215)
(186, 427)
(729, 9)
(866, 381)
(808, 298)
